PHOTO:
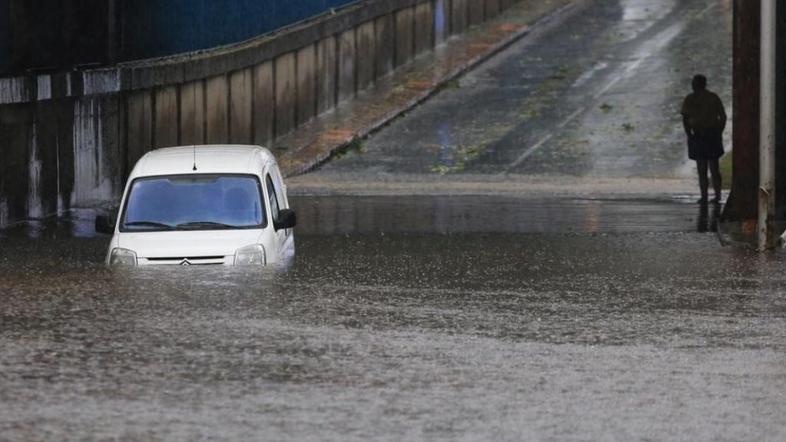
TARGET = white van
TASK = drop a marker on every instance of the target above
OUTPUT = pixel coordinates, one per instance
(199, 205)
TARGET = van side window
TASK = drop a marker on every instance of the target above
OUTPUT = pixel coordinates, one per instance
(271, 194)
(278, 183)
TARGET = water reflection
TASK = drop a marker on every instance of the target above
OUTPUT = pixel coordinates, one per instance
(77, 223)
(425, 214)
(709, 214)
(487, 214)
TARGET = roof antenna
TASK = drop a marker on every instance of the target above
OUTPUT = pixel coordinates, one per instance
(193, 98)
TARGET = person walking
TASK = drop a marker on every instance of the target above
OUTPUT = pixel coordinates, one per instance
(704, 120)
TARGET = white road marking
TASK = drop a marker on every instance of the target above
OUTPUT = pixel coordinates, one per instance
(530, 151)
(706, 10)
(571, 117)
(654, 45)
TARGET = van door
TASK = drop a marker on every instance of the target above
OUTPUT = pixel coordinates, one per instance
(283, 200)
(284, 241)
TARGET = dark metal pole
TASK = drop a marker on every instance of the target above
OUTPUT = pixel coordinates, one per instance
(767, 125)
(742, 203)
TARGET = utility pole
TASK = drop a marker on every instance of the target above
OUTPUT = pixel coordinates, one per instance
(741, 206)
(766, 228)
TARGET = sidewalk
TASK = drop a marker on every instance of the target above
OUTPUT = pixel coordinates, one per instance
(315, 142)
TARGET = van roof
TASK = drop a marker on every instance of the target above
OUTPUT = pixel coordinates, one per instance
(214, 158)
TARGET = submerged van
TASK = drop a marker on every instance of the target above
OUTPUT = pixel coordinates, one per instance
(201, 205)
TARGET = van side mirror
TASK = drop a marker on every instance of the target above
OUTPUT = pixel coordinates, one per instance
(105, 224)
(286, 220)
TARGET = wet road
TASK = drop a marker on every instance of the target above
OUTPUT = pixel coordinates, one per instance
(594, 94)
(464, 300)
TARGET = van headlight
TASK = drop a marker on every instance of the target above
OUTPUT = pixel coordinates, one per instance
(250, 255)
(122, 257)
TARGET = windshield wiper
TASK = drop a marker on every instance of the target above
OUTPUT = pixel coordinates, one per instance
(149, 224)
(203, 224)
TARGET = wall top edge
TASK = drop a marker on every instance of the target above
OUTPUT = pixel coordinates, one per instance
(193, 66)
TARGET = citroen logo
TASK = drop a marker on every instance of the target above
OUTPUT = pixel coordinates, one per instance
(185, 262)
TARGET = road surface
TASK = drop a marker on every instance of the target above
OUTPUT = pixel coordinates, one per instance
(517, 259)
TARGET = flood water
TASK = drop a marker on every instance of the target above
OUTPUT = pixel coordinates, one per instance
(435, 333)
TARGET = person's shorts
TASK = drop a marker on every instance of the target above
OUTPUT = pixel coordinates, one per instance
(705, 145)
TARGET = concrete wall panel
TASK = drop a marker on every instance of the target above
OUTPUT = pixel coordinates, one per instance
(139, 116)
(166, 116)
(65, 151)
(216, 112)
(405, 36)
(192, 113)
(15, 137)
(441, 21)
(384, 28)
(492, 9)
(240, 107)
(475, 11)
(326, 74)
(458, 16)
(286, 93)
(306, 84)
(366, 48)
(346, 65)
(112, 151)
(97, 153)
(424, 27)
(44, 162)
(264, 104)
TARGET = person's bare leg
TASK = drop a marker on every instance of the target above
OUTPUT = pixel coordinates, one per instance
(701, 166)
(717, 180)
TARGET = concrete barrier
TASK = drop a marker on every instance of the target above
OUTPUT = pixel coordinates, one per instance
(475, 11)
(424, 27)
(240, 111)
(458, 16)
(69, 139)
(264, 103)
(216, 112)
(285, 93)
(139, 136)
(306, 84)
(365, 39)
(346, 65)
(165, 128)
(492, 9)
(384, 30)
(405, 36)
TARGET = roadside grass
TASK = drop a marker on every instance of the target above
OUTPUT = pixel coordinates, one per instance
(356, 146)
(726, 170)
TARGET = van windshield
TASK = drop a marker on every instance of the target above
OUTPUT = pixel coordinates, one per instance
(194, 202)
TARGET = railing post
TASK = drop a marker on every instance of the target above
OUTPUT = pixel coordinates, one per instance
(767, 125)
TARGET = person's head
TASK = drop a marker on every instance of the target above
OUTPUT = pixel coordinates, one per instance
(699, 83)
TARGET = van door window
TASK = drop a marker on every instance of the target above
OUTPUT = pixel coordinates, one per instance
(278, 184)
(271, 194)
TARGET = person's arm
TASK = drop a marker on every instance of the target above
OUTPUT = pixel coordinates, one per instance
(721, 115)
(686, 125)
(685, 120)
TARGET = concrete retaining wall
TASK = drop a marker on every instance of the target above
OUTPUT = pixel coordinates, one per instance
(68, 140)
